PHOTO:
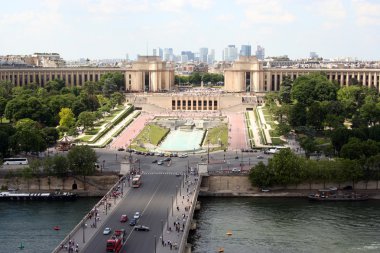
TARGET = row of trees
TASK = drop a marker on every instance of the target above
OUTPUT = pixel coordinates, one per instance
(80, 161)
(286, 168)
(196, 78)
(52, 105)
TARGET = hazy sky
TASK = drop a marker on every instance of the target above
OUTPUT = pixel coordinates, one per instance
(99, 29)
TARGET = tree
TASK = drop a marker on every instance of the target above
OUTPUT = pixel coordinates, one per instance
(287, 167)
(28, 137)
(373, 164)
(61, 168)
(118, 98)
(86, 119)
(261, 176)
(50, 135)
(297, 115)
(285, 90)
(308, 144)
(55, 85)
(6, 89)
(81, 161)
(27, 174)
(116, 78)
(339, 137)
(66, 118)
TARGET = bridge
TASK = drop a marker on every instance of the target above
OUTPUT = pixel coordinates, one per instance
(165, 200)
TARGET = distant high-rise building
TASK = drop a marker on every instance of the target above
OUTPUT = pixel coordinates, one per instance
(314, 55)
(203, 52)
(160, 53)
(168, 54)
(245, 50)
(154, 52)
(260, 52)
(211, 57)
(189, 54)
(230, 53)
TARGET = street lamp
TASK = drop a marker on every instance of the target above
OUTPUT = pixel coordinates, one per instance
(101, 169)
(167, 215)
(176, 194)
(172, 205)
(208, 151)
(162, 230)
(155, 244)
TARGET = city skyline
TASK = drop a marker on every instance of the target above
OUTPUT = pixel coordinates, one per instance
(114, 28)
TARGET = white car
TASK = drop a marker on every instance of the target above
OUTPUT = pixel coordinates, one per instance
(107, 231)
(183, 156)
(236, 170)
(137, 215)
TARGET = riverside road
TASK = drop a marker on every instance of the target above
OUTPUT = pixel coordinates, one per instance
(152, 199)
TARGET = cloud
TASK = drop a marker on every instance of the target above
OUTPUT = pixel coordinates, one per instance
(181, 5)
(367, 13)
(225, 17)
(331, 9)
(109, 7)
(267, 12)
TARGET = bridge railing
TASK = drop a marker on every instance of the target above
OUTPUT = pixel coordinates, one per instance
(85, 218)
(183, 242)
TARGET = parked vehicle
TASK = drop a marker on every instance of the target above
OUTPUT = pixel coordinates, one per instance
(133, 222)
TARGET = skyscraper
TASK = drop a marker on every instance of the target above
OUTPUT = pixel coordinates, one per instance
(168, 54)
(211, 57)
(203, 52)
(245, 50)
(230, 53)
(260, 52)
(189, 55)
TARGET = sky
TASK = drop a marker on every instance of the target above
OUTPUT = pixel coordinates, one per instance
(105, 29)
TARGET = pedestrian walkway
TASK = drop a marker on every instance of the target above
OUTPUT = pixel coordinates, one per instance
(175, 231)
(86, 229)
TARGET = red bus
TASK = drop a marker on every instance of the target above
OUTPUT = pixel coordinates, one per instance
(136, 181)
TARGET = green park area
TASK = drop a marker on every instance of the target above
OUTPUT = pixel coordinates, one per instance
(274, 132)
(217, 137)
(151, 134)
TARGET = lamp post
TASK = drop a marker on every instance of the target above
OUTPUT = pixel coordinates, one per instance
(208, 151)
(167, 214)
(83, 226)
(162, 230)
(155, 244)
(101, 170)
(176, 194)
(172, 205)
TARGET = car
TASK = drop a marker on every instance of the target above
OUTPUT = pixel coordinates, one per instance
(236, 170)
(120, 149)
(124, 218)
(192, 171)
(160, 162)
(133, 222)
(177, 174)
(183, 156)
(236, 157)
(137, 215)
(347, 188)
(154, 161)
(141, 228)
(265, 190)
(260, 157)
(167, 159)
(107, 231)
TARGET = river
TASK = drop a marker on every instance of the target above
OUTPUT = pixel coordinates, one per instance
(257, 225)
(31, 223)
(286, 225)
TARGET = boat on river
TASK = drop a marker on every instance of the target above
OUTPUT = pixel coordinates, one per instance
(335, 195)
(14, 195)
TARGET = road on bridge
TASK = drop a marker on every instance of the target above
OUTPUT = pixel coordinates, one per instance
(152, 199)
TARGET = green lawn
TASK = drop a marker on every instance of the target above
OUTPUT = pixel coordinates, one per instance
(216, 133)
(86, 138)
(277, 141)
(151, 134)
(92, 131)
(4, 120)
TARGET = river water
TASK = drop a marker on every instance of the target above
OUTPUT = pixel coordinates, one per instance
(257, 225)
(286, 225)
(31, 223)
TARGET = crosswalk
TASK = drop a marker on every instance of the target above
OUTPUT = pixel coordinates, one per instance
(159, 173)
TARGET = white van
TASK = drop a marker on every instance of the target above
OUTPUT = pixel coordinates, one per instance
(236, 170)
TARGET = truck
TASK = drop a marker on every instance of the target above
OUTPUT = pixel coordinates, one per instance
(116, 242)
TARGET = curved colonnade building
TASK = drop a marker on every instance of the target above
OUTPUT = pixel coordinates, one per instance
(148, 79)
